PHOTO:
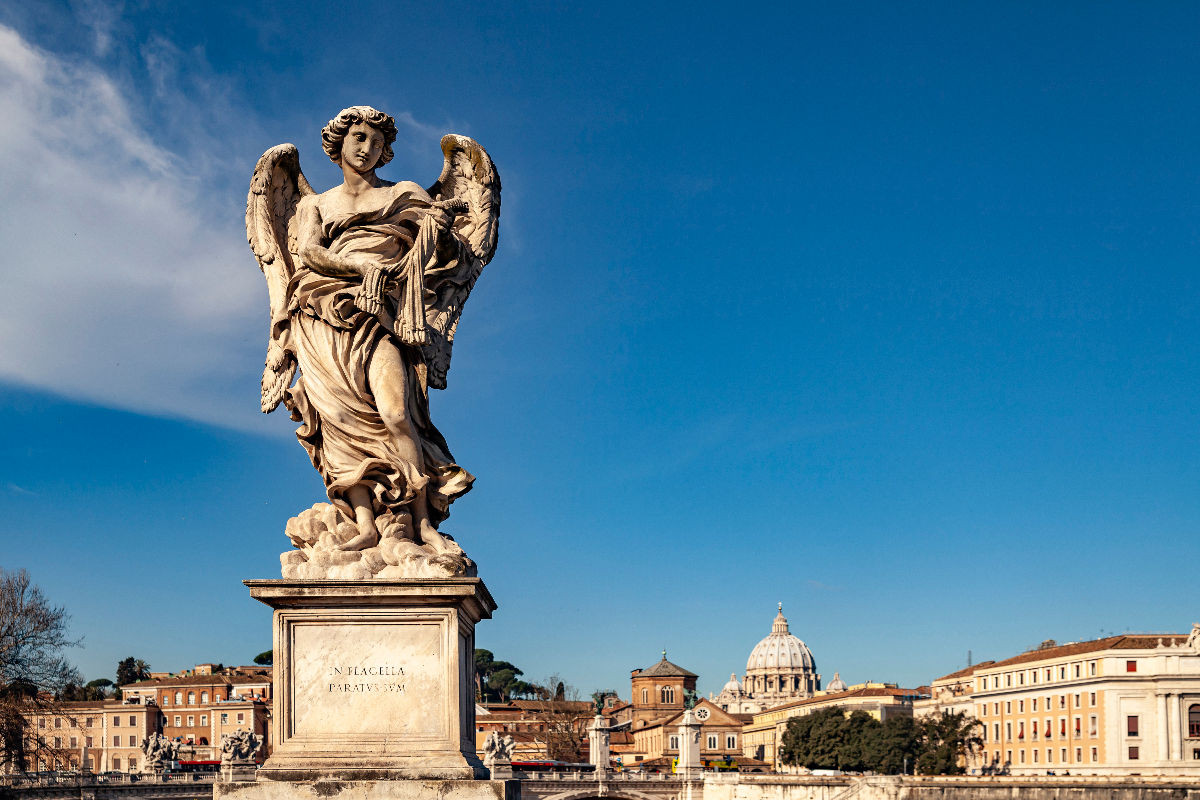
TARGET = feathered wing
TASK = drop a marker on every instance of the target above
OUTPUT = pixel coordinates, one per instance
(470, 175)
(275, 190)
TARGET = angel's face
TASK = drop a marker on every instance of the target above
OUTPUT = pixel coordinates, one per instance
(362, 147)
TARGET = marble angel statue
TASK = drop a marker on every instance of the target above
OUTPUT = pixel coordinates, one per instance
(367, 282)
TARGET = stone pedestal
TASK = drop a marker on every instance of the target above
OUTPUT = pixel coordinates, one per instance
(374, 684)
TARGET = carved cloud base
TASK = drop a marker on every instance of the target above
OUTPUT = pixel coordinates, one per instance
(374, 680)
(319, 532)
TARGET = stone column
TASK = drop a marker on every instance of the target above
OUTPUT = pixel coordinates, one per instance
(1163, 726)
(598, 739)
(689, 748)
(1175, 714)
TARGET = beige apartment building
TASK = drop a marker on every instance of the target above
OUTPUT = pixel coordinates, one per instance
(1121, 705)
(94, 735)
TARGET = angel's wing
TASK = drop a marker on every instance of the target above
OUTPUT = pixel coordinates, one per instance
(275, 190)
(469, 175)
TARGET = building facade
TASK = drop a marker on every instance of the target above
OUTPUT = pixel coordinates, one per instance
(1121, 705)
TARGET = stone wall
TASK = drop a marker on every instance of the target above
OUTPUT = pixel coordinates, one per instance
(795, 787)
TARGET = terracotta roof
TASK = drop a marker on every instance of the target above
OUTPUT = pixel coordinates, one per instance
(965, 671)
(866, 691)
(665, 669)
(1132, 641)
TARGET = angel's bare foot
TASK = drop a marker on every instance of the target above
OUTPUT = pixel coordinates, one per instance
(436, 542)
(364, 540)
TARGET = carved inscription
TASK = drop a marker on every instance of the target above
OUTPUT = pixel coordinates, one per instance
(367, 678)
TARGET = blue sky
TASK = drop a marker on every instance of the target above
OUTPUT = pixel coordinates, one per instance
(885, 312)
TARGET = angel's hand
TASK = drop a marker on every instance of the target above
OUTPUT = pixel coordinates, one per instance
(444, 211)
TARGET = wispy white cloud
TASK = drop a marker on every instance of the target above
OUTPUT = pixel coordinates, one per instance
(122, 284)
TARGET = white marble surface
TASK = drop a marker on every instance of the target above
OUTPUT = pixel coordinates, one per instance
(382, 678)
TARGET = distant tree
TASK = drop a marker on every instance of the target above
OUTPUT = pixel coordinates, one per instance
(498, 681)
(266, 657)
(33, 671)
(814, 740)
(131, 670)
(947, 739)
(898, 743)
(859, 745)
(600, 697)
(561, 720)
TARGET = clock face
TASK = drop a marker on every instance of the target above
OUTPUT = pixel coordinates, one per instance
(702, 714)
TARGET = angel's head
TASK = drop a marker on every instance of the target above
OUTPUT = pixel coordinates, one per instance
(376, 129)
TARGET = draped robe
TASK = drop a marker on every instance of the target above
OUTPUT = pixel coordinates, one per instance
(340, 425)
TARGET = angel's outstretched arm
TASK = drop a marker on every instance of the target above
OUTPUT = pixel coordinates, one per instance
(316, 256)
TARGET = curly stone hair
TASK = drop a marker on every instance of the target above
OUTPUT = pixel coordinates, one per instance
(334, 133)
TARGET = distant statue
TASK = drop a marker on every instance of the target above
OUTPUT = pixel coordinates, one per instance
(1193, 640)
(239, 747)
(367, 282)
(690, 698)
(498, 749)
(157, 752)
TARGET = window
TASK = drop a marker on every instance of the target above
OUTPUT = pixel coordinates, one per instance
(645, 699)
(983, 710)
(730, 741)
(712, 741)
(87, 723)
(1133, 753)
(1092, 699)
(179, 698)
(1062, 673)
(191, 720)
(1008, 679)
(71, 721)
(1048, 674)
(1195, 754)
(74, 742)
(667, 695)
(116, 722)
(1033, 730)
(983, 683)
(1091, 668)
(241, 718)
(1194, 721)
(1021, 730)
(87, 741)
(1077, 701)
(1131, 666)
(1033, 673)
(225, 717)
(1092, 726)
(58, 722)
(204, 719)
(1095, 758)
(132, 764)
(1062, 726)
(166, 699)
(674, 744)
(133, 741)
(1078, 755)
(132, 721)
(996, 731)
(996, 707)
(1021, 755)
(1021, 678)
(191, 698)
(1008, 706)
(1062, 755)
(1035, 755)
(178, 720)
(116, 741)
(1008, 756)
(1076, 670)
(1008, 731)
(58, 741)
(204, 697)
(1035, 704)
(1078, 725)
(41, 722)
(1021, 706)
(116, 762)
(1062, 701)
(1131, 725)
